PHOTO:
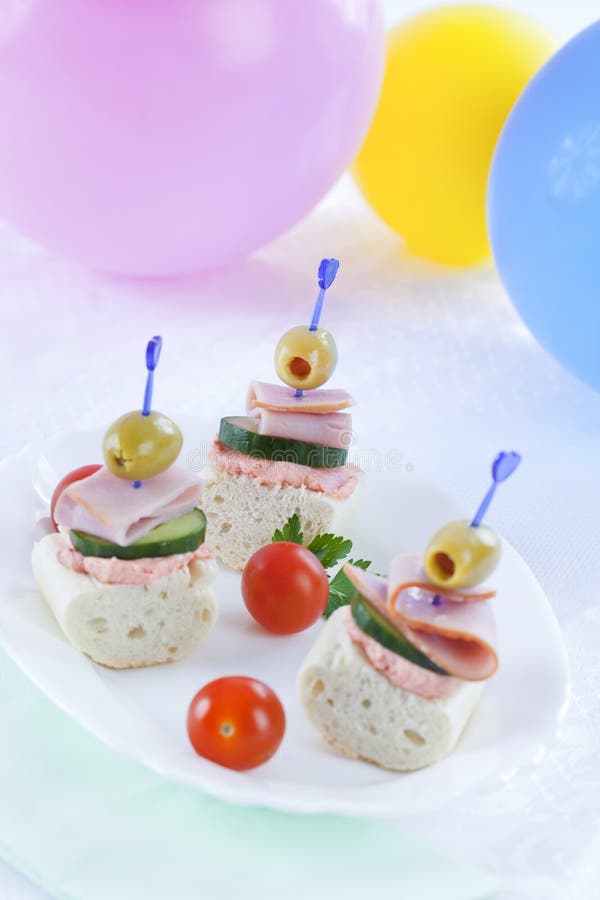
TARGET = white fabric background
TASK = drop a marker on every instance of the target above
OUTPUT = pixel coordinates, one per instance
(443, 370)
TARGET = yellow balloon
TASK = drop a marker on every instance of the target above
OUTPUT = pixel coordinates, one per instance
(452, 76)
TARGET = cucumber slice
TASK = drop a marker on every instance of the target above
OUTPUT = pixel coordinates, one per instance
(181, 535)
(373, 623)
(241, 433)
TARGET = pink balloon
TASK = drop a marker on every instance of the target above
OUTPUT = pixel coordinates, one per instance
(155, 137)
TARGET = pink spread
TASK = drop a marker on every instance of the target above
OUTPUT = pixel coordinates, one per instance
(399, 671)
(128, 571)
(337, 483)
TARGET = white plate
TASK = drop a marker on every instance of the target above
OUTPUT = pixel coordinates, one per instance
(141, 713)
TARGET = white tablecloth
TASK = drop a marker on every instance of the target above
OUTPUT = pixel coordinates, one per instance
(444, 372)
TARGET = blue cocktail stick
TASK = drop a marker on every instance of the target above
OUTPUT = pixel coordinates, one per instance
(502, 468)
(152, 356)
(328, 269)
(326, 276)
(153, 349)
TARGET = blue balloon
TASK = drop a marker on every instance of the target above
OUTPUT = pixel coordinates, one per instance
(544, 206)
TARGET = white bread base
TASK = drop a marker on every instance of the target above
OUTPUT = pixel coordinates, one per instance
(363, 715)
(127, 626)
(242, 514)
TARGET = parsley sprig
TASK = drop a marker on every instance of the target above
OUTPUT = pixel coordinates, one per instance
(341, 589)
(329, 549)
(291, 531)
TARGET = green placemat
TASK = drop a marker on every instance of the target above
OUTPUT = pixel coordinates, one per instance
(86, 824)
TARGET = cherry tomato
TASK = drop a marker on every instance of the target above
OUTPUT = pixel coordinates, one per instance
(236, 722)
(76, 475)
(285, 587)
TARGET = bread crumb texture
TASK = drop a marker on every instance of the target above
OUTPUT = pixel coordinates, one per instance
(363, 715)
(242, 514)
(128, 626)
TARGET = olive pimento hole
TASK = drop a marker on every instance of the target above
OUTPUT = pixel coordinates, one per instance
(445, 566)
(226, 729)
(299, 367)
(122, 461)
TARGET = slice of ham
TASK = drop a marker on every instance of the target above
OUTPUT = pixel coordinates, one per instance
(279, 397)
(458, 637)
(372, 587)
(111, 508)
(406, 571)
(328, 429)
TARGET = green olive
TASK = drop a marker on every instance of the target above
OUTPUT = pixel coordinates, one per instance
(137, 447)
(305, 359)
(461, 556)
